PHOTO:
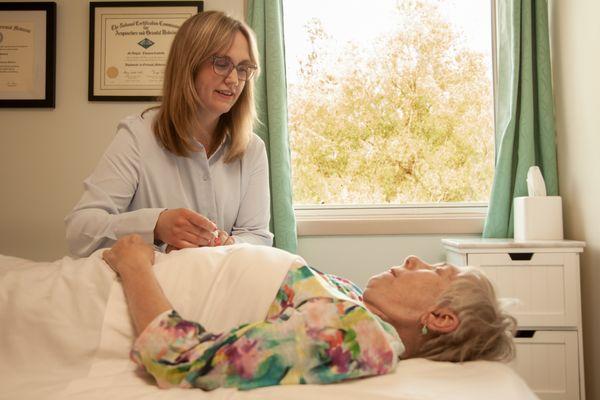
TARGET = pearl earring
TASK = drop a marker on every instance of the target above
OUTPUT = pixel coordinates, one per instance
(424, 330)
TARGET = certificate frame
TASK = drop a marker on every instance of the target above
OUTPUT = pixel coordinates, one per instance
(129, 43)
(28, 55)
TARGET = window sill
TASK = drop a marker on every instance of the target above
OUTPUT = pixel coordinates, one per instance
(390, 220)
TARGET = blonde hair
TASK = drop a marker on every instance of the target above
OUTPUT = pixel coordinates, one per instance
(200, 37)
(484, 332)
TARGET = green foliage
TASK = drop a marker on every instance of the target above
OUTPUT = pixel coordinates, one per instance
(411, 122)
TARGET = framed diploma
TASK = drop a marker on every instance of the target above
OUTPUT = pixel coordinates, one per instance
(27, 54)
(129, 46)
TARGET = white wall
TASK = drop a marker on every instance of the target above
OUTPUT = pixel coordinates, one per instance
(575, 37)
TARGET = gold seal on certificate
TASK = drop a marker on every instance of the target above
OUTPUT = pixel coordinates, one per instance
(112, 72)
(130, 47)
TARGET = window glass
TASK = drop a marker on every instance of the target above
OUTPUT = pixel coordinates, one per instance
(389, 101)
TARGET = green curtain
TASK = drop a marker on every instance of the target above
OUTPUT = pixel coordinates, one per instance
(525, 134)
(266, 19)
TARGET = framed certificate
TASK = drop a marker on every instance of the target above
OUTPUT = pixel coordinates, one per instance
(129, 46)
(27, 54)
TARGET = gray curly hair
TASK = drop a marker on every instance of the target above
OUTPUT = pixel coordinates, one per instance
(484, 332)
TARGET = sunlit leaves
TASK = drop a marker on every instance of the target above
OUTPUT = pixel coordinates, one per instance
(407, 120)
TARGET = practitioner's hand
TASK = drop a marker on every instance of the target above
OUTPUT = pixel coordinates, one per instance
(128, 254)
(181, 228)
(224, 239)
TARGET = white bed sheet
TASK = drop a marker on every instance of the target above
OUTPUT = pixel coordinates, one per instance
(65, 332)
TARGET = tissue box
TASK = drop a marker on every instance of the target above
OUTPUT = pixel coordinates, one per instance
(538, 218)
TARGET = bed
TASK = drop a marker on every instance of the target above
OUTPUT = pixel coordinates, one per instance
(65, 332)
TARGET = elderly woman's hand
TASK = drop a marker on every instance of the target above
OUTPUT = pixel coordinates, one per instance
(129, 254)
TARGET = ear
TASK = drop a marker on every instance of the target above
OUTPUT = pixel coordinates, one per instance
(441, 319)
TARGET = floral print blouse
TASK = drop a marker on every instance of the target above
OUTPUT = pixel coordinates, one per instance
(317, 330)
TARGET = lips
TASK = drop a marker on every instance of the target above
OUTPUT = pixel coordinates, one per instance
(227, 93)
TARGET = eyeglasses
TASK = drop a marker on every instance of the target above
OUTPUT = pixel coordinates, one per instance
(223, 67)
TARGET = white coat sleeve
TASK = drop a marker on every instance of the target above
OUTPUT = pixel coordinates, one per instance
(100, 217)
(252, 223)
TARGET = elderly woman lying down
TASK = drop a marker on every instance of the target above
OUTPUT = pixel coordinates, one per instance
(319, 328)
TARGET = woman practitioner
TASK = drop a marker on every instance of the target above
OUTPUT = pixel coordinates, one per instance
(190, 172)
(319, 329)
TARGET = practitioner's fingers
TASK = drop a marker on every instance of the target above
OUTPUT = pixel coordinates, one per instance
(200, 221)
(182, 225)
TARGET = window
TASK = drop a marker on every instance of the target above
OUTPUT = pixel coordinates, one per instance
(390, 102)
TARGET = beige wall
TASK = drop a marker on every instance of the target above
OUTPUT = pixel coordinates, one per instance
(575, 36)
(46, 153)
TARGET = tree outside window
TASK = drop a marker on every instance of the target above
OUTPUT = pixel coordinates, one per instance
(406, 118)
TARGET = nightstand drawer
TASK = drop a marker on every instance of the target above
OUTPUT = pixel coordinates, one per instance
(545, 285)
(548, 362)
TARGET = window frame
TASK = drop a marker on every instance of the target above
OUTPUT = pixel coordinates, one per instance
(452, 218)
(397, 219)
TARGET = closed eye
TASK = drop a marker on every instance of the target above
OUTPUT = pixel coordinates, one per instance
(439, 267)
(445, 269)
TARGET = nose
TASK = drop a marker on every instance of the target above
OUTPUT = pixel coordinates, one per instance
(414, 262)
(232, 77)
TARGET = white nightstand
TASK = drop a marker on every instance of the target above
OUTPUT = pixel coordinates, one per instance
(544, 277)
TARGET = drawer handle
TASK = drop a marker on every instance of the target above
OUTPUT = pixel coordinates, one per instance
(520, 256)
(524, 333)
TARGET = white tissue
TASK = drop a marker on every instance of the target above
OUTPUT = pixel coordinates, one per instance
(535, 182)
